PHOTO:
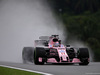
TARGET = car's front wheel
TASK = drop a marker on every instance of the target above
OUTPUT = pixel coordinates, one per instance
(39, 52)
(83, 55)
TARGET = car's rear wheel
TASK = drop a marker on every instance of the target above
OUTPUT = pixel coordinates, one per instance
(27, 54)
(39, 52)
(83, 55)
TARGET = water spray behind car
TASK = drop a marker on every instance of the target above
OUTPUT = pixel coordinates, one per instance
(22, 22)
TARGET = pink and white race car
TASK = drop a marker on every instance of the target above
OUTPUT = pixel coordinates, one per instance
(51, 50)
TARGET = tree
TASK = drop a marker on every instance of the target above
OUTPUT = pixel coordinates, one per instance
(83, 5)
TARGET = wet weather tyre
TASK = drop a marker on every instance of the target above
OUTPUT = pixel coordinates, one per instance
(28, 54)
(83, 55)
(39, 52)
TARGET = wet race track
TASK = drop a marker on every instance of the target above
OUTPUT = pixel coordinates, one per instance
(60, 69)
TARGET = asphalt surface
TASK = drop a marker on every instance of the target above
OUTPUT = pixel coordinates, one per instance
(59, 69)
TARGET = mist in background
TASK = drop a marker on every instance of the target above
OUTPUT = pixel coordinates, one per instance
(22, 22)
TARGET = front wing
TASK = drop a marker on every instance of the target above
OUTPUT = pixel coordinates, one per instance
(53, 60)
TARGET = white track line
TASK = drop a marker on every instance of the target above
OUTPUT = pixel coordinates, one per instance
(26, 70)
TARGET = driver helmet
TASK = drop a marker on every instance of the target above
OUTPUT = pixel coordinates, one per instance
(56, 44)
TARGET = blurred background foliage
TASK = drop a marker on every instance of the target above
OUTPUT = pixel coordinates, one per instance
(82, 19)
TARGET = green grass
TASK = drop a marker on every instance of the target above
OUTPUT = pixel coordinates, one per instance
(10, 71)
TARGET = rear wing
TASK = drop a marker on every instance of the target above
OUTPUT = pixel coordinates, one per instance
(44, 37)
(41, 42)
(36, 41)
(48, 37)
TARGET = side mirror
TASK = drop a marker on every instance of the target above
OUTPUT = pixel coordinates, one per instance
(46, 43)
(68, 45)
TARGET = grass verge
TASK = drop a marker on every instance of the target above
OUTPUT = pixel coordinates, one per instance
(10, 71)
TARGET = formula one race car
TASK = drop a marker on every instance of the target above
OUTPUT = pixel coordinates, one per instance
(51, 50)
